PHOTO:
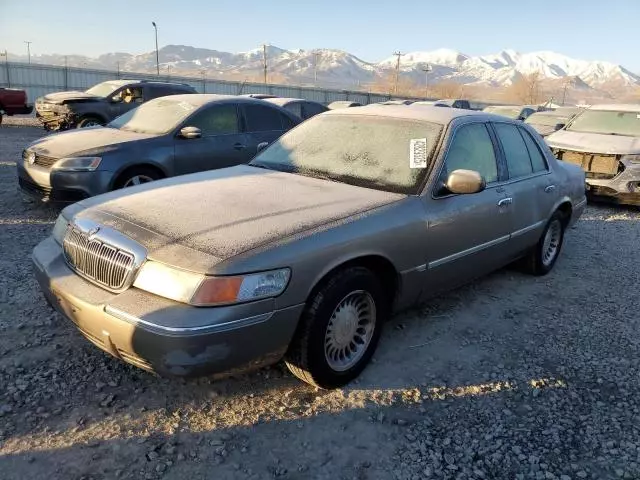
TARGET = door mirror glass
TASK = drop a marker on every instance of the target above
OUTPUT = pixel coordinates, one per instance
(116, 99)
(465, 181)
(262, 146)
(190, 132)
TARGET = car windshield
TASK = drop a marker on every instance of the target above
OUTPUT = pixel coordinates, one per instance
(103, 89)
(372, 152)
(607, 122)
(157, 116)
(510, 112)
(546, 120)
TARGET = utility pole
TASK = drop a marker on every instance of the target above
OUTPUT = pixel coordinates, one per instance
(5, 54)
(315, 67)
(264, 61)
(157, 54)
(204, 82)
(395, 87)
(426, 69)
(66, 74)
(28, 50)
(168, 71)
(118, 70)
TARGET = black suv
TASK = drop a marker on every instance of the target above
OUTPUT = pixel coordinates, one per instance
(101, 103)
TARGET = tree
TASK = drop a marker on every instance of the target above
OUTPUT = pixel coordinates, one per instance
(446, 90)
(526, 89)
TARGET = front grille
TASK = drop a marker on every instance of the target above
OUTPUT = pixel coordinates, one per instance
(40, 160)
(104, 264)
(595, 165)
(34, 189)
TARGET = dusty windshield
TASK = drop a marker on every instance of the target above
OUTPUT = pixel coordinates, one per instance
(510, 112)
(103, 89)
(546, 120)
(607, 122)
(157, 116)
(382, 153)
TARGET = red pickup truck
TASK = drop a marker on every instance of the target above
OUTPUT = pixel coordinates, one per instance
(13, 102)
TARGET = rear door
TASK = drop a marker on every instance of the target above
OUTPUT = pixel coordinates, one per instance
(529, 182)
(467, 234)
(221, 145)
(263, 123)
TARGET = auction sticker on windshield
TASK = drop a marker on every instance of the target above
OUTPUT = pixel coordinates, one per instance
(418, 153)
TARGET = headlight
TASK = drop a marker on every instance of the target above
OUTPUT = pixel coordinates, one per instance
(201, 290)
(78, 164)
(60, 228)
(631, 158)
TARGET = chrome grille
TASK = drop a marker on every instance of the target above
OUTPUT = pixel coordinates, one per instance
(92, 258)
(40, 160)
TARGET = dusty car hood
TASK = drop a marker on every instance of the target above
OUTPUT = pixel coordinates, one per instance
(196, 221)
(594, 142)
(543, 130)
(62, 97)
(86, 140)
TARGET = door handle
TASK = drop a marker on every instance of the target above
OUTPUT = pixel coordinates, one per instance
(549, 188)
(505, 201)
(239, 146)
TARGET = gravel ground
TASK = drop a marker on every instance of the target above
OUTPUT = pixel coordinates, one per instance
(511, 377)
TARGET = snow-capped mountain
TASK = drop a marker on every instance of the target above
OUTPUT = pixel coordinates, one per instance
(338, 67)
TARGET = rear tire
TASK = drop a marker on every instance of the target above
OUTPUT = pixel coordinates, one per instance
(339, 329)
(137, 176)
(90, 122)
(542, 258)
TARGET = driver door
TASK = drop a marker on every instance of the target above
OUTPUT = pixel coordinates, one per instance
(221, 145)
(466, 234)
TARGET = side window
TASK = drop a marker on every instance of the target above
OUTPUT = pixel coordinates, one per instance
(216, 120)
(261, 118)
(155, 92)
(131, 95)
(537, 159)
(295, 108)
(310, 109)
(472, 149)
(515, 150)
(287, 122)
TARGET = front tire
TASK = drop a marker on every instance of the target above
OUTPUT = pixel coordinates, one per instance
(542, 258)
(339, 329)
(90, 122)
(137, 176)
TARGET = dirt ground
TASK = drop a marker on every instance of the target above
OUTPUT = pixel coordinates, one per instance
(510, 377)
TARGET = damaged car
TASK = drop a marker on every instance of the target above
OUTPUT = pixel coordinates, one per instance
(605, 141)
(305, 252)
(101, 103)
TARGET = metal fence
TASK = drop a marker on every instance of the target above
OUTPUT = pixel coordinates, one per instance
(38, 80)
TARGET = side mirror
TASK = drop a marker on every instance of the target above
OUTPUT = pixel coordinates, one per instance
(465, 181)
(190, 132)
(262, 146)
(116, 99)
(559, 126)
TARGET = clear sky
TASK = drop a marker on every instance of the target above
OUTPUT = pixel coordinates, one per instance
(373, 29)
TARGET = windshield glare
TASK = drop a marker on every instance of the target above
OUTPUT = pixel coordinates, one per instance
(157, 116)
(510, 112)
(103, 89)
(607, 122)
(372, 152)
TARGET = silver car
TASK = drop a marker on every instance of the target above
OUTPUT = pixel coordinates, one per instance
(605, 141)
(305, 252)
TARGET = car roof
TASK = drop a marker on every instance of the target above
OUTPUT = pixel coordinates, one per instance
(283, 101)
(618, 107)
(199, 99)
(122, 83)
(551, 113)
(426, 113)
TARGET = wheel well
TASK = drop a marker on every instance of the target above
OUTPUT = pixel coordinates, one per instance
(565, 209)
(93, 115)
(137, 166)
(379, 265)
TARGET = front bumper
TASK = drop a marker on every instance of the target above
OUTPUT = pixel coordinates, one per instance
(161, 335)
(624, 188)
(53, 119)
(48, 185)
